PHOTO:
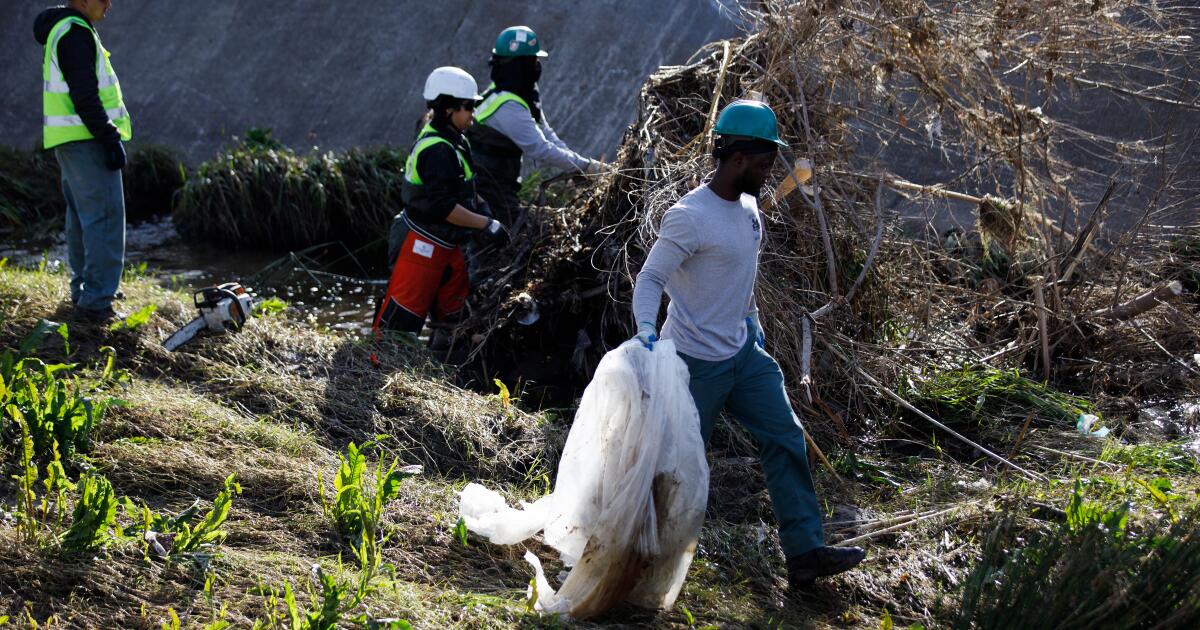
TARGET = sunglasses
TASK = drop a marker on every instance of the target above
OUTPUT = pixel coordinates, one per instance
(467, 105)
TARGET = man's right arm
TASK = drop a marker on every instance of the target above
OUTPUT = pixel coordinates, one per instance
(77, 60)
(676, 242)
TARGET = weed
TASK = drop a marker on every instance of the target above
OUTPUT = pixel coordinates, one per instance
(269, 307)
(208, 531)
(460, 531)
(134, 320)
(27, 525)
(176, 535)
(41, 330)
(31, 195)
(329, 603)
(94, 522)
(49, 404)
(135, 271)
(152, 179)
(502, 394)
(357, 511)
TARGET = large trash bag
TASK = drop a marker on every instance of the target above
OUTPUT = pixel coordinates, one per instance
(630, 494)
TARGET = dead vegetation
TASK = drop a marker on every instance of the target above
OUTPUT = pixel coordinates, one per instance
(990, 102)
(1000, 330)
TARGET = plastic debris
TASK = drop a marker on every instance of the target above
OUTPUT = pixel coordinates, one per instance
(1085, 423)
(630, 493)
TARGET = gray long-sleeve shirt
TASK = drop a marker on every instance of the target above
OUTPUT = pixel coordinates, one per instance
(538, 141)
(706, 258)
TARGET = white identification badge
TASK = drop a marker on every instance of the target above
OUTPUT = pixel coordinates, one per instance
(421, 248)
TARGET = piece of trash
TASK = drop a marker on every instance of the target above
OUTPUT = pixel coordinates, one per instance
(529, 308)
(1085, 423)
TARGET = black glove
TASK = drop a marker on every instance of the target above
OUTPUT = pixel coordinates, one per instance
(114, 156)
(496, 234)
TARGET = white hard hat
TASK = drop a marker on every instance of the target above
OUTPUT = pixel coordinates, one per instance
(451, 81)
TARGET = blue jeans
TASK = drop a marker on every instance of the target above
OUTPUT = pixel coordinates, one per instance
(95, 223)
(750, 386)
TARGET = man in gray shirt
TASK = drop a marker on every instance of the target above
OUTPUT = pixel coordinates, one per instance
(706, 259)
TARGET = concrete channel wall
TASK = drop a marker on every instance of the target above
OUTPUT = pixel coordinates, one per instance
(349, 73)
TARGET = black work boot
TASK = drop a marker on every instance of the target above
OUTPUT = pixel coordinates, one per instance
(97, 315)
(805, 568)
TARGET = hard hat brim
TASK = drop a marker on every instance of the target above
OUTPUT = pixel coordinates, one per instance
(541, 54)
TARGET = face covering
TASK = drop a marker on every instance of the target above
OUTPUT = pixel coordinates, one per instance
(519, 75)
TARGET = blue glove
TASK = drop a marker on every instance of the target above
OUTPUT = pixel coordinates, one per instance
(647, 334)
(756, 330)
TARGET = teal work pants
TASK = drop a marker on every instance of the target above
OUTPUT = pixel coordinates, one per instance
(750, 386)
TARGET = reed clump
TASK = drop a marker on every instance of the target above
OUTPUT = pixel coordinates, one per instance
(31, 199)
(263, 195)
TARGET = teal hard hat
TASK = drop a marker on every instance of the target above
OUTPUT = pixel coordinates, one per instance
(750, 119)
(518, 41)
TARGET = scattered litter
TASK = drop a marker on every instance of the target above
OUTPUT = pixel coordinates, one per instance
(1085, 423)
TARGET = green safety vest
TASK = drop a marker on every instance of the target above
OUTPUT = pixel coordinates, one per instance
(61, 124)
(427, 138)
(494, 101)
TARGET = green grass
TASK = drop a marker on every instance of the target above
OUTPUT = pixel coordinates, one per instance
(1095, 570)
(279, 403)
(976, 394)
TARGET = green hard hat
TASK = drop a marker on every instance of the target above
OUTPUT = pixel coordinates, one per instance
(750, 119)
(518, 41)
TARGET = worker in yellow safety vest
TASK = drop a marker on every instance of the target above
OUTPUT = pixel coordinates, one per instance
(85, 121)
(510, 125)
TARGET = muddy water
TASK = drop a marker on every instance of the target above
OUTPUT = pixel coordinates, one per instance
(336, 300)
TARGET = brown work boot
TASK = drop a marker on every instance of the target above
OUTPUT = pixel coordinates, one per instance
(805, 568)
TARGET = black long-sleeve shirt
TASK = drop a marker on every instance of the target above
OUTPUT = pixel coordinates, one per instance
(443, 181)
(77, 60)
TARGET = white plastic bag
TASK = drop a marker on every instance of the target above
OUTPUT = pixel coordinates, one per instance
(630, 493)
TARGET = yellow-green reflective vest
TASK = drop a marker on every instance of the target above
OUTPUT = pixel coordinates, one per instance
(427, 138)
(60, 123)
(493, 102)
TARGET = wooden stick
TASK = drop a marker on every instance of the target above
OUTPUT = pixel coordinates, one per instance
(1084, 241)
(713, 108)
(1021, 436)
(820, 455)
(1074, 456)
(938, 191)
(893, 528)
(1141, 303)
(806, 356)
(1042, 332)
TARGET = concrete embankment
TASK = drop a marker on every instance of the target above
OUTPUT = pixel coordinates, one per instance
(349, 74)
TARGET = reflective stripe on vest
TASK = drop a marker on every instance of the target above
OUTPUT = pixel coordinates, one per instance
(493, 102)
(60, 122)
(429, 137)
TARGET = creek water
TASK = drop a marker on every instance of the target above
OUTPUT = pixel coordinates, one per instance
(339, 301)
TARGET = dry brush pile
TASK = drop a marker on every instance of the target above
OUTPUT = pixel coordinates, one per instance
(857, 304)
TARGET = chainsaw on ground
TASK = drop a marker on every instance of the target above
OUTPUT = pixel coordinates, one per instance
(223, 307)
